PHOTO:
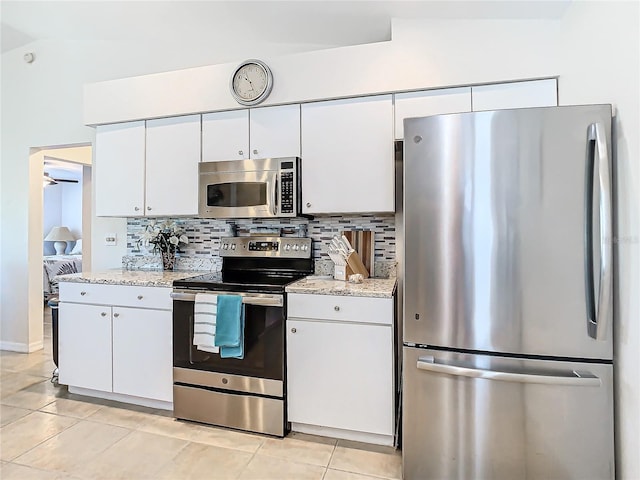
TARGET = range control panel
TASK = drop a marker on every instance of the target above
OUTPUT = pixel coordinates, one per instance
(283, 247)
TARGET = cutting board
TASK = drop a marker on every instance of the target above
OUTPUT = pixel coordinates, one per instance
(363, 242)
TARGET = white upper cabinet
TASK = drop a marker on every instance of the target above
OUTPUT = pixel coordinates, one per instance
(225, 136)
(534, 93)
(429, 102)
(274, 131)
(348, 156)
(173, 154)
(148, 169)
(266, 132)
(119, 169)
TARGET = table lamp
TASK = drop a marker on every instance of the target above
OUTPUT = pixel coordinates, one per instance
(60, 236)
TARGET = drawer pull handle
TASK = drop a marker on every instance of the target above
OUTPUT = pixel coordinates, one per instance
(116, 315)
(293, 330)
(336, 308)
(103, 314)
(139, 297)
(83, 293)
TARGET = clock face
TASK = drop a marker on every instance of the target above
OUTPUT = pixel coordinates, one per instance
(251, 83)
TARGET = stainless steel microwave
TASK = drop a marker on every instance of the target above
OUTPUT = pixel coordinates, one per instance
(266, 187)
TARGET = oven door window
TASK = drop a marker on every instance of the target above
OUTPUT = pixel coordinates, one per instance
(237, 194)
(263, 344)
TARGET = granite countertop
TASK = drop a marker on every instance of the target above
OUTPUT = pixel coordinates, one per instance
(145, 278)
(371, 287)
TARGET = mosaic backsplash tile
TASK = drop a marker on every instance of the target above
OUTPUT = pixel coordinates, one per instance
(204, 236)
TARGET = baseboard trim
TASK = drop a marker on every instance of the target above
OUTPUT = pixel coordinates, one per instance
(21, 347)
(365, 437)
(119, 397)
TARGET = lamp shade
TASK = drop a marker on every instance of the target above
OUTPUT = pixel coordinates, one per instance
(59, 234)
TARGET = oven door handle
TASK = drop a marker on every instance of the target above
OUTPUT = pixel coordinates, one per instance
(247, 299)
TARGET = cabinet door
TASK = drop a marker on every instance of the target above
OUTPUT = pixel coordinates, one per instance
(84, 346)
(274, 131)
(339, 375)
(348, 156)
(535, 93)
(430, 102)
(119, 169)
(173, 154)
(142, 353)
(225, 136)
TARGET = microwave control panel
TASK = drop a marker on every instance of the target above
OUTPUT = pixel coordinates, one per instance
(287, 182)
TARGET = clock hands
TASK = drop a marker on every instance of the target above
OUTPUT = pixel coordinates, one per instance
(247, 79)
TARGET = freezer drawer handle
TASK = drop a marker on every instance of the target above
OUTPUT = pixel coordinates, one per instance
(598, 313)
(571, 378)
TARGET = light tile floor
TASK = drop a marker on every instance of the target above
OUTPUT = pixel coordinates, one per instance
(48, 433)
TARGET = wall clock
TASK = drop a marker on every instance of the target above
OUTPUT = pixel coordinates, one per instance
(251, 82)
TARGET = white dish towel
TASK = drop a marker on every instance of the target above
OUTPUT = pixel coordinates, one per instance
(204, 322)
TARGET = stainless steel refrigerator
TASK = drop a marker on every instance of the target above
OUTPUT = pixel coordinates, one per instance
(508, 289)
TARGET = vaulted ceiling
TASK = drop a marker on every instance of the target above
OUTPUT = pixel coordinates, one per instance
(319, 24)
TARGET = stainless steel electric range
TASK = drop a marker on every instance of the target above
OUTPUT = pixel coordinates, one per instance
(249, 393)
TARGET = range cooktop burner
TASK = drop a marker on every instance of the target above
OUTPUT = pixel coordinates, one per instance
(256, 264)
(255, 282)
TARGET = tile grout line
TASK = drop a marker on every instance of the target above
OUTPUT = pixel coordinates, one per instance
(13, 460)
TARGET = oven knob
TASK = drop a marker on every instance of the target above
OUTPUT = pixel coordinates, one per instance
(287, 247)
(233, 246)
(304, 248)
(225, 246)
(296, 247)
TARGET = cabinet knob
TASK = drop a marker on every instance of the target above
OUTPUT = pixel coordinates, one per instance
(83, 293)
(139, 297)
(255, 152)
(137, 209)
(103, 314)
(293, 330)
(308, 204)
(116, 315)
(240, 152)
(336, 308)
(148, 208)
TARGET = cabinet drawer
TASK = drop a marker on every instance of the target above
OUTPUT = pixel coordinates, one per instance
(123, 295)
(336, 307)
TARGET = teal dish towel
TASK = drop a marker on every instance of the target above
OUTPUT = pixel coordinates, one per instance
(230, 326)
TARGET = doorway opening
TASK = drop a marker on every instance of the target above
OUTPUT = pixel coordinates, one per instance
(59, 228)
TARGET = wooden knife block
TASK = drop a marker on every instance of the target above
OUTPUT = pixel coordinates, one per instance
(355, 265)
(363, 243)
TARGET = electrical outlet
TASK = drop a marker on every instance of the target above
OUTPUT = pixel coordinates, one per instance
(110, 239)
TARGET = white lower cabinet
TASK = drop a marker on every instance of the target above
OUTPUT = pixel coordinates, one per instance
(340, 371)
(112, 345)
(142, 353)
(84, 345)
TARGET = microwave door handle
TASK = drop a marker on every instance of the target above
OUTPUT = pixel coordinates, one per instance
(275, 197)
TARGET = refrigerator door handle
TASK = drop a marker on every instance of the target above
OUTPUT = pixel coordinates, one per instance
(598, 313)
(569, 378)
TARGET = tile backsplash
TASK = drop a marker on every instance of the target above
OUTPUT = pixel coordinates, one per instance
(204, 234)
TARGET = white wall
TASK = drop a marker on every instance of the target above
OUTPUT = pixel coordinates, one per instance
(62, 206)
(71, 209)
(51, 204)
(593, 49)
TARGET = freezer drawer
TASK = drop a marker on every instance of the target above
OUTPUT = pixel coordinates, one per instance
(488, 417)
